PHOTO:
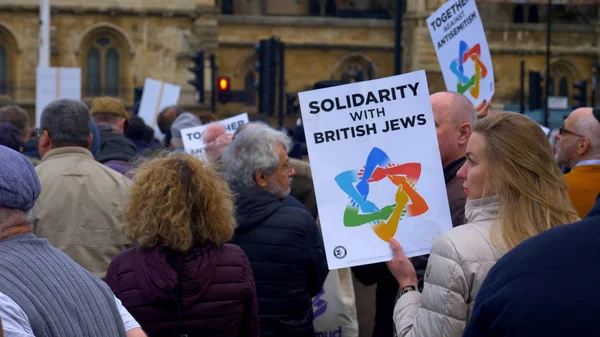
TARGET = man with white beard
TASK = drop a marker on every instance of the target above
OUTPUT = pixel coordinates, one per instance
(283, 243)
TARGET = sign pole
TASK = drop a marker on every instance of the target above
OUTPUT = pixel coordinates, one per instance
(398, 38)
(547, 79)
(44, 42)
(522, 93)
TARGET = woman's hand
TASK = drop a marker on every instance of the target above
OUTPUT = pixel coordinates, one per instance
(483, 109)
(401, 267)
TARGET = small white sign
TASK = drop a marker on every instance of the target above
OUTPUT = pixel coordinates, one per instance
(157, 95)
(193, 141)
(462, 50)
(558, 102)
(376, 168)
(53, 84)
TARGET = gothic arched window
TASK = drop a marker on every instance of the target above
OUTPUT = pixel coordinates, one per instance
(533, 15)
(92, 76)
(563, 87)
(551, 85)
(102, 67)
(111, 74)
(519, 14)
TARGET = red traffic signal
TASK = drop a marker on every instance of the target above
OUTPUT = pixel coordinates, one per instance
(224, 92)
(223, 83)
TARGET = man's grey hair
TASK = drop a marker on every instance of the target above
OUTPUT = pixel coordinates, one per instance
(252, 149)
(67, 122)
(22, 217)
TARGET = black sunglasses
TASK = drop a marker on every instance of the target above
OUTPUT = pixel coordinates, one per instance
(563, 131)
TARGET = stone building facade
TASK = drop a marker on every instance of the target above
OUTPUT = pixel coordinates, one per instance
(118, 43)
(515, 33)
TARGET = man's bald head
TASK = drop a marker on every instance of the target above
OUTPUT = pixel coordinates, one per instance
(580, 139)
(454, 106)
(584, 122)
(453, 114)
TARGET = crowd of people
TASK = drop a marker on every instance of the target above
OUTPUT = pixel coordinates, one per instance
(106, 231)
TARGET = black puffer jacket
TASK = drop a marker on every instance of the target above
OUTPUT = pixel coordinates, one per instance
(285, 249)
(114, 146)
(115, 151)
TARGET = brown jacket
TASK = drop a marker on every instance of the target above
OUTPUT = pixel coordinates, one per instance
(302, 186)
(80, 209)
(456, 194)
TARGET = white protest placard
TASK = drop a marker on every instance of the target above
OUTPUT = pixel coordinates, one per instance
(55, 83)
(193, 141)
(376, 168)
(157, 95)
(558, 102)
(462, 50)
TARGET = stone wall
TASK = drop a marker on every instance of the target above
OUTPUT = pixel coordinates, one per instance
(574, 47)
(151, 45)
(316, 48)
(114, 4)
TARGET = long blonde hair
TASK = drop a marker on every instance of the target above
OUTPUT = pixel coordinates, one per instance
(523, 175)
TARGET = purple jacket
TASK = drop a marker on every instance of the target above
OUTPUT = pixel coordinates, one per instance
(208, 291)
(120, 166)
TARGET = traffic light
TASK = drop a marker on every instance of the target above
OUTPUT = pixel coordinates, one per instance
(224, 92)
(266, 67)
(292, 104)
(198, 70)
(535, 90)
(580, 95)
(137, 99)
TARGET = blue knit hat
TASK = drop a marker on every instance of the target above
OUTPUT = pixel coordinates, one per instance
(96, 141)
(19, 183)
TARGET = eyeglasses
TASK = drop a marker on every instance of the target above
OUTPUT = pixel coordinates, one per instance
(40, 132)
(562, 131)
(287, 166)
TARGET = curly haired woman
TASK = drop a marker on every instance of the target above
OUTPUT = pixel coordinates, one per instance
(182, 279)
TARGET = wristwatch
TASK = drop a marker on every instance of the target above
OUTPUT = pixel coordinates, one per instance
(406, 289)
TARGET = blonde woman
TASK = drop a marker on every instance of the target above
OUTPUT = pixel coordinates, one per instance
(182, 279)
(514, 191)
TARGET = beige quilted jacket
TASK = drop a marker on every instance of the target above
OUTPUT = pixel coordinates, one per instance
(459, 262)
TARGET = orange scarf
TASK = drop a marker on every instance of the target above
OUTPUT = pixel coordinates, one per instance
(15, 230)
